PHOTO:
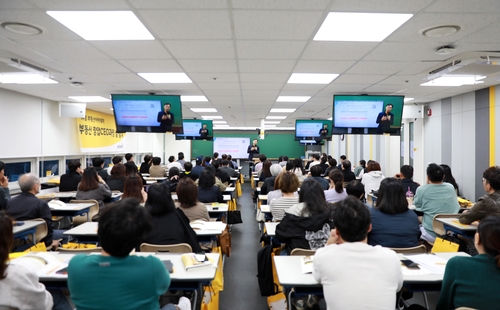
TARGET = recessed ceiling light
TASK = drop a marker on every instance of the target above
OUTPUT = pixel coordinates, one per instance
(103, 25)
(440, 31)
(362, 27)
(219, 122)
(89, 98)
(212, 117)
(25, 78)
(276, 117)
(203, 109)
(408, 99)
(193, 98)
(271, 122)
(158, 78)
(455, 81)
(312, 78)
(282, 110)
(293, 98)
(22, 28)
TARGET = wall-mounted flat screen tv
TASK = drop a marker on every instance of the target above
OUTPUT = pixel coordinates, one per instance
(147, 113)
(367, 114)
(196, 129)
(307, 129)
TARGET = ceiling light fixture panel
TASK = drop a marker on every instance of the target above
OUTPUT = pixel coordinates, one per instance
(455, 81)
(25, 78)
(312, 78)
(208, 110)
(193, 98)
(90, 98)
(277, 110)
(166, 78)
(293, 98)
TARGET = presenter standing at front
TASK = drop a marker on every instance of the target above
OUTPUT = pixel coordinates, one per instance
(166, 118)
(252, 150)
(385, 119)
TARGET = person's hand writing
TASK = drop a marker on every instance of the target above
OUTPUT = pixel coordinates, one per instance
(333, 237)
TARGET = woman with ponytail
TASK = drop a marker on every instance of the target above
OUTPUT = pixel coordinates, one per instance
(336, 192)
(474, 282)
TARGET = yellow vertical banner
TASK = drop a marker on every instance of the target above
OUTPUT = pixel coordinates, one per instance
(492, 126)
(97, 132)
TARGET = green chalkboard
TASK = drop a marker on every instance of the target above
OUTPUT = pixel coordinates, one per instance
(273, 146)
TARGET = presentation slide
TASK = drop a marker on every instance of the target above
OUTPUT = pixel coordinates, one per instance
(137, 112)
(308, 129)
(191, 129)
(357, 114)
(236, 147)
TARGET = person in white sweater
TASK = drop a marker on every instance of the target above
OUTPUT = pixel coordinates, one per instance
(19, 287)
(356, 275)
(371, 180)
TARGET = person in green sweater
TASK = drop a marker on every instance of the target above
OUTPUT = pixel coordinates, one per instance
(435, 197)
(474, 282)
(115, 279)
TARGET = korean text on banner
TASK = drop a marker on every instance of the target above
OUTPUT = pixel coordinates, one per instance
(97, 132)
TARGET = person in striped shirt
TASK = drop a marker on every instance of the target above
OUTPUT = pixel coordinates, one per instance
(288, 184)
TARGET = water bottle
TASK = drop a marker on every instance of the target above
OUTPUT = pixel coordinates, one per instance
(409, 197)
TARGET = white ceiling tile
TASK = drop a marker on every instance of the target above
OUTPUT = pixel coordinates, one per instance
(120, 78)
(377, 67)
(337, 88)
(419, 67)
(281, 4)
(250, 49)
(275, 25)
(11, 49)
(214, 78)
(213, 65)
(151, 66)
(264, 77)
(95, 66)
(201, 49)
(457, 6)
(132, 49)
(337, 50)
(188, 24)
(179, 4)
(316, 66)
(380, 6)
(488, 36)
(402, 51)
(266, 66)
(73, 50)
(16, 5)
(217, 93)
(261, 86)
(61, 5)
(359, 78)
(268, 94)
(389, 89)
(143, 87)
(312, 88)
(219, 86)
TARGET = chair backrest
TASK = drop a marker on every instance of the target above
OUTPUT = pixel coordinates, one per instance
(94, 209)
(76, 251)
(437, 226)
(299, 251)
(41, 230)
(171, 248)
(413, 250)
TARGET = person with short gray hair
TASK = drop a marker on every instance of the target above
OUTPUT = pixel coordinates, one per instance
(268, 185)
(26, 206)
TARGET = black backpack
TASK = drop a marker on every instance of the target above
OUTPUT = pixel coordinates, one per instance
(265, 271)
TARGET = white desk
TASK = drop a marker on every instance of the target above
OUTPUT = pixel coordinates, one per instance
(69, 195)
(28, 228)
(71, 209)
(454, 225)
(209, 228)
(262, 197)
(229, 189)
(88, 229)
(271, 228)
(221, 208)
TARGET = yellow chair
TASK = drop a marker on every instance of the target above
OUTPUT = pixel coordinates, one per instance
(79, 251)
(420, 249)
(306, 252)
(94, 210)
(170, 248)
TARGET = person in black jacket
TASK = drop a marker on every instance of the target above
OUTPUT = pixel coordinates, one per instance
(173, 179)
(170, 224)
(268, 185)
(207, 191)
(116, 180)
(146, 164)
(69, 181)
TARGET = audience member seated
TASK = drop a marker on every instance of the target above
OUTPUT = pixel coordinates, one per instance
(234, 164)
(283, 161)
(359, 169)
(207, 191)
(393, 224)
(115, 279)
(347, 171)
(276, 193)
(221, 186)
(488, 204)
(323, 164)
(19, 287)
(341, 159)
(187, 201)
(93, 186)
(156, 170)
(116, 180)
(173, 163)
(98, 163)
(288, 184)
(354, 274)
(69, 181)
(357, 189)
(4, 187)
(473, 282)
(181, 160)
(406, 179)
(145, 166)
(265, 171)
(129, 157)
(115, 160)
(316, 175)
(268, 185)
(336, 192)
(298, 169)
(198, 168)
(221, 174)
(372, 179)
(332, 165)
(131, 168)
(258, 167)
(435, 197)
(173, 179)
(315, 161)
(307, 224)
(187, 173)
(448, 177)
(133, 188)
(227, 169)
(26, 206)
(207, 161)
(170, 224)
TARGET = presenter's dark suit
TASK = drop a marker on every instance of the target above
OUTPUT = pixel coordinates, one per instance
(165, 124)
(203, 133)
(384, 124)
